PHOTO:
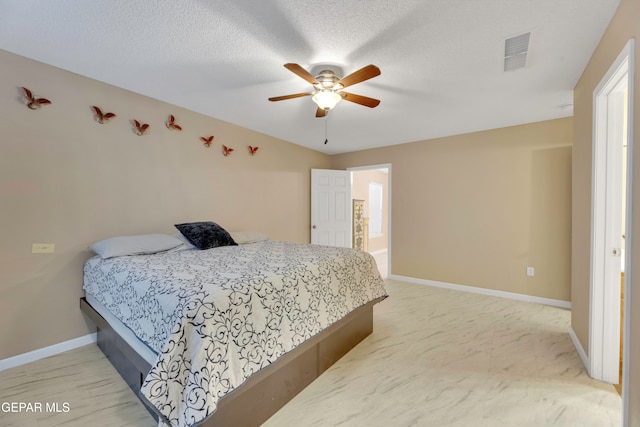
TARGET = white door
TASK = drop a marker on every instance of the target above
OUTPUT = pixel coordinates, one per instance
(606, 240)
(331, 207)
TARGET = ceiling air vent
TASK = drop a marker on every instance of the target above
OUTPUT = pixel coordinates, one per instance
(515, 52)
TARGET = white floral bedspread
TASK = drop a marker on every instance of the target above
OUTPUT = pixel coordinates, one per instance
(217, 316)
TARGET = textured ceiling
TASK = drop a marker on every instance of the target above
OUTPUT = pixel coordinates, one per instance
(441, 60)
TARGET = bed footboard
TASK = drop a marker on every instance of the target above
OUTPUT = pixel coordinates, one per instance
(129, 364)
(266, 392)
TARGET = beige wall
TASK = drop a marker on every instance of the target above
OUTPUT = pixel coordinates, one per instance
(68, 180)
(477, 209)
(624, 25)
(360, 190)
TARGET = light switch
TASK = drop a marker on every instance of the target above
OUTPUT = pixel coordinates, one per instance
(43, 248)
(530, 271)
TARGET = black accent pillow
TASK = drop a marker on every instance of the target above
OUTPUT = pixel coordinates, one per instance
(206, 234)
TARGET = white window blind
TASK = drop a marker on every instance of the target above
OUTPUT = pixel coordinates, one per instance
(375, 209)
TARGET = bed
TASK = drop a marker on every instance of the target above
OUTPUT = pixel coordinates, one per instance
(227, 335)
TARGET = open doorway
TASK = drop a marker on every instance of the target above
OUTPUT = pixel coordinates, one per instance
(371, 198)
(610, 219)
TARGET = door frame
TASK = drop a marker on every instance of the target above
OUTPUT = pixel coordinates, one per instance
(604, 323)
(388, 167)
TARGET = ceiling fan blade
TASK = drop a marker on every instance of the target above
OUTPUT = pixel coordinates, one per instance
(364, 73)
(296, 69)
(320, 112)
(359, 99)
(295, 95)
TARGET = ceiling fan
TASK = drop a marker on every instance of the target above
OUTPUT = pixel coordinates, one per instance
(328, 87)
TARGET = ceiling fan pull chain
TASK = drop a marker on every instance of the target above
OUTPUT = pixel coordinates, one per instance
(326, 138)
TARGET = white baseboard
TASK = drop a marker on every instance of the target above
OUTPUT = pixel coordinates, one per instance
(580, 349)
(41, 353)
(378, 252)
(483, 291)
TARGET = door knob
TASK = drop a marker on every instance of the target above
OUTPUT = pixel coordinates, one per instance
(314, 227)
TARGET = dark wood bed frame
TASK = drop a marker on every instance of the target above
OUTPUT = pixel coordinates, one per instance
(263, 394)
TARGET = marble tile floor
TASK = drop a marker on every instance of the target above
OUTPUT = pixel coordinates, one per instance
(436, 358)
(81, 388)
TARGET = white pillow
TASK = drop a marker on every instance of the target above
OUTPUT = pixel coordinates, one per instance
(242, 237)
(187, 244)
(135, 245)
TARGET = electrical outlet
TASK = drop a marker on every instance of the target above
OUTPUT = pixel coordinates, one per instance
(43, 248)
(530, 271)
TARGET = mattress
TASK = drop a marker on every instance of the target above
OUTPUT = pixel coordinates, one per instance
(216, 317)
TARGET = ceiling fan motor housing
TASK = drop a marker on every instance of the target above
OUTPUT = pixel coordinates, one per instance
(327, 80)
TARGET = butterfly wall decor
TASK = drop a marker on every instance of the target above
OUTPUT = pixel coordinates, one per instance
(33, 102)
(102, 117)
(141, 128)
(171, 123)
(226, 150)
(207, 140)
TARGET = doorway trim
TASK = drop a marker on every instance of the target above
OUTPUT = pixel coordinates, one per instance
(628, 274)
(604, 323)
(388, 167)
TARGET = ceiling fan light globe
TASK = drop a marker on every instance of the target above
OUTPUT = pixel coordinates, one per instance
(326, 99)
